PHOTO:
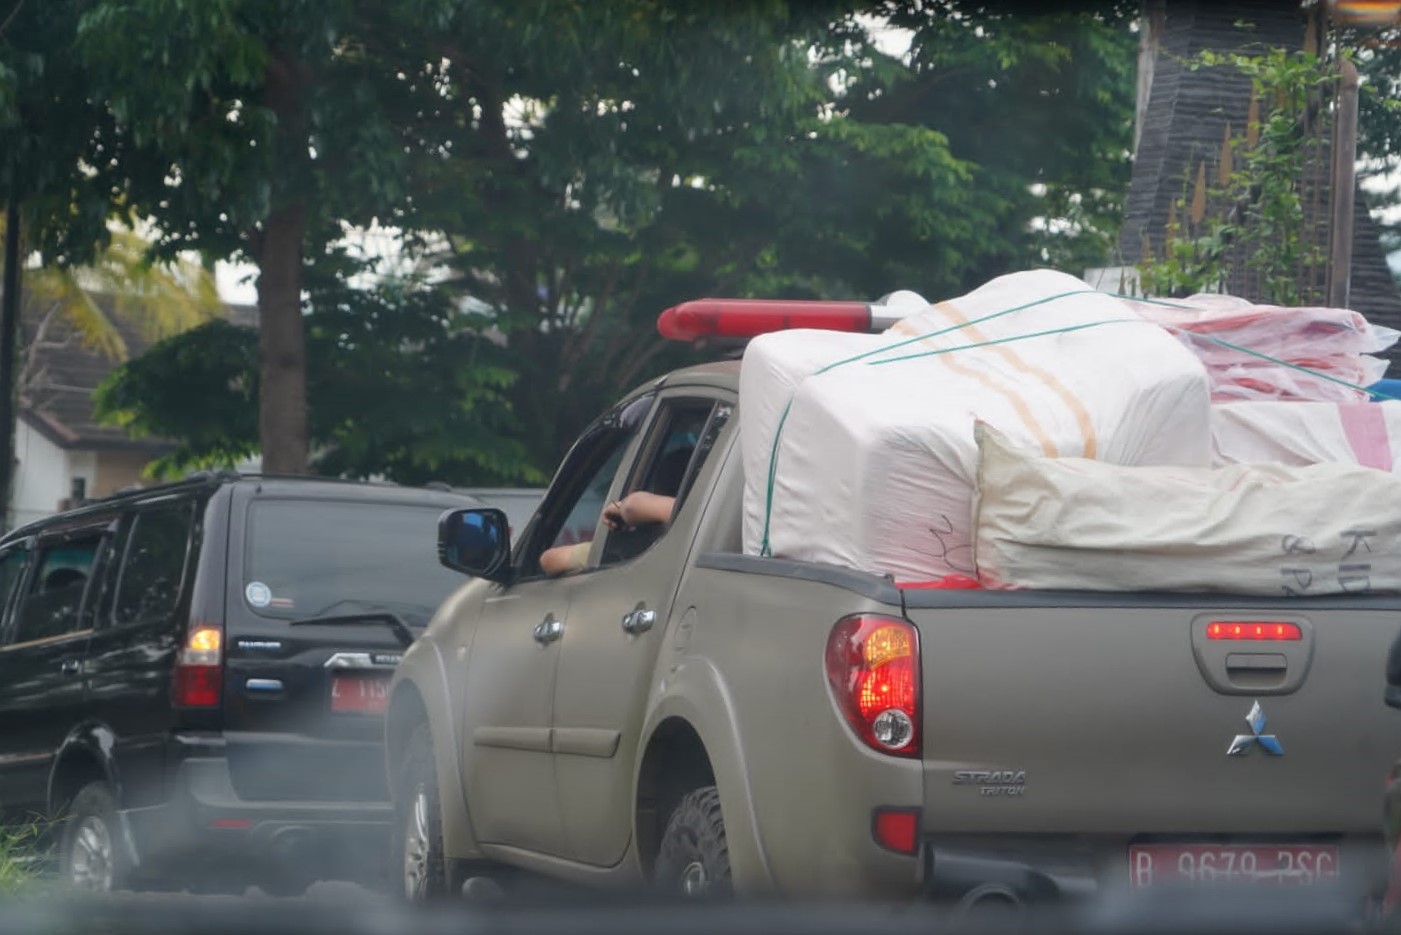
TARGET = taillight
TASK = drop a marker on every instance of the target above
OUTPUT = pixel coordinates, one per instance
(199, 669)
(873, 669)
(1253, 630)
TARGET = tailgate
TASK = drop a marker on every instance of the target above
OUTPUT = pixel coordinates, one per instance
(327, 587)
(1085, 717)
(304, 710)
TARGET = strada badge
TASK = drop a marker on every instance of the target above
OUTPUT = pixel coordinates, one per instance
(996, 782)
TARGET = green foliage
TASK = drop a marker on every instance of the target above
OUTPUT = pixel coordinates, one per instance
(1258, 208)
(50, 125)
(569, 169)
(401, 386)
(19, 871)
(774, 152)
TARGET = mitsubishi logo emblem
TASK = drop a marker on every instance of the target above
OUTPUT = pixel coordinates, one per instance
(1257, 736)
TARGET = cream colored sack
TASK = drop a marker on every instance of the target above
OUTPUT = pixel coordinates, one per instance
(1267, 529)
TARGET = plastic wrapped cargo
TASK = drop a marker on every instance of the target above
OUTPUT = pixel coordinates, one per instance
(1298, 434)
(1258, 529)
(1259, 352)
(1339, 378)
(859, 450)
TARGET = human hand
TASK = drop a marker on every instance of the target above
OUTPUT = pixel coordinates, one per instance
(615, 514)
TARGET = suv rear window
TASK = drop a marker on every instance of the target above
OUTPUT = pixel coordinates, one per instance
(311, 558)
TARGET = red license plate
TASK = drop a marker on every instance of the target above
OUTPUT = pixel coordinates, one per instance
(1268, 864)
(359, 694)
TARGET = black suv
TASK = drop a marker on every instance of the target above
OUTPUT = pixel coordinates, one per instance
(192, 677)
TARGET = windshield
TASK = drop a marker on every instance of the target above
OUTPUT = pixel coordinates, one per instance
(306, 558)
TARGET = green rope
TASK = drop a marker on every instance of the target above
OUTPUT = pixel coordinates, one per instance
(764, 548)
(1253, 353)
(1008, 340)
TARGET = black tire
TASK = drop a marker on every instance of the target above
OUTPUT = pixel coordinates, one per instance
(418, 861)
(694, 860)
(92, 855)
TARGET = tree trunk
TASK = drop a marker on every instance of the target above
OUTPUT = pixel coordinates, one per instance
(9, 325)
(282, 404)
(282, 420)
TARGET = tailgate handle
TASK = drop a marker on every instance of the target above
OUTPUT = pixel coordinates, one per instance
(1256, 662)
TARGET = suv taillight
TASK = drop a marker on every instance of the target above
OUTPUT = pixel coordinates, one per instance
(199, 669)
(873, 669)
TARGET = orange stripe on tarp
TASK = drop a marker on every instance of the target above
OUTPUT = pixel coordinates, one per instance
(1089, 437)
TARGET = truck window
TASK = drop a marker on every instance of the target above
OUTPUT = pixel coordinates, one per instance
(154, 565)
(572, 507)
(682, 436)
(51, 606)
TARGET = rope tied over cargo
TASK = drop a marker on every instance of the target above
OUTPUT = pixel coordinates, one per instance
(765, 548)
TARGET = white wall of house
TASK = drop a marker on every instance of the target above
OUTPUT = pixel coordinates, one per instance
(44, 474)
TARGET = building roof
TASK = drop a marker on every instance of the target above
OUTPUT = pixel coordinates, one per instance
(1183, 121)
(57, 400)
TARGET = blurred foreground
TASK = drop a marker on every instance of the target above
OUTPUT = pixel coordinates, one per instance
(345, 910)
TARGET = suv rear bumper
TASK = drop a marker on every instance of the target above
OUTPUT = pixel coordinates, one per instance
(204, 828)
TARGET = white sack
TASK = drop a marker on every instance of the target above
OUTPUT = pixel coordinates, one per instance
(1267, 529)
(1368, 434)
(876, 461)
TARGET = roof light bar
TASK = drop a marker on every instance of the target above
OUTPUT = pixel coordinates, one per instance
(747, 318)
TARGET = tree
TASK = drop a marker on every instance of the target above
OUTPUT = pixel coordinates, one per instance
(405, 386)
(256, 129)
(773, 152)
(576, 168)
(58, 151)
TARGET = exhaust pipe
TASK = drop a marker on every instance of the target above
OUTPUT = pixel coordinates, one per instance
(988, 899)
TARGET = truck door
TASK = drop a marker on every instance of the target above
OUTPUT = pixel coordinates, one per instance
(508, 693)
(617, 619)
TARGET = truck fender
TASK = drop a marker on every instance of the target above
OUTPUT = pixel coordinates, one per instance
(695, 692)
(424, 671)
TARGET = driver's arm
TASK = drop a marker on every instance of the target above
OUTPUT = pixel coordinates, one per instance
(563, 559)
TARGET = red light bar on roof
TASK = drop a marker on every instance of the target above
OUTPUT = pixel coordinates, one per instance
(746, 318)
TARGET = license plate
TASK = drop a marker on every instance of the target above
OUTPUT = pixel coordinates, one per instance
(1267, 864)
(359, 694)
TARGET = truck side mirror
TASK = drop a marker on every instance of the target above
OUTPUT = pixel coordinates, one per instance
(1393, 674)
(476, 543)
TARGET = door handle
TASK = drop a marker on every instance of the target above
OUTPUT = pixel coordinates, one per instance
(549, 630)
(639, 621)
(70, 667)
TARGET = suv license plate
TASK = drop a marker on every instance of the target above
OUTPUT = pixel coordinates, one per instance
(1268, 864)
(359, 694)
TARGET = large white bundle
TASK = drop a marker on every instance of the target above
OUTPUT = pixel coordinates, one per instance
(1368, 434)
(1266, 529)
(871, 463)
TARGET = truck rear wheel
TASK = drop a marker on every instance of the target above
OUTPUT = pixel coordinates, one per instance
(418, 827)
(694, 860)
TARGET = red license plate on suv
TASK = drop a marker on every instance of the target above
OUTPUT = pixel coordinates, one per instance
(1259, 864)
(359, 694)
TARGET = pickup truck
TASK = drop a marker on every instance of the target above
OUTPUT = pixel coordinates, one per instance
(679, 714)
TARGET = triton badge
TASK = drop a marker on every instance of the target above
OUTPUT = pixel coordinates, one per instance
(1257, 736)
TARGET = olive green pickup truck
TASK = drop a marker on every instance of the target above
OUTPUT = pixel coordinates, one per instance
(679, 714)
